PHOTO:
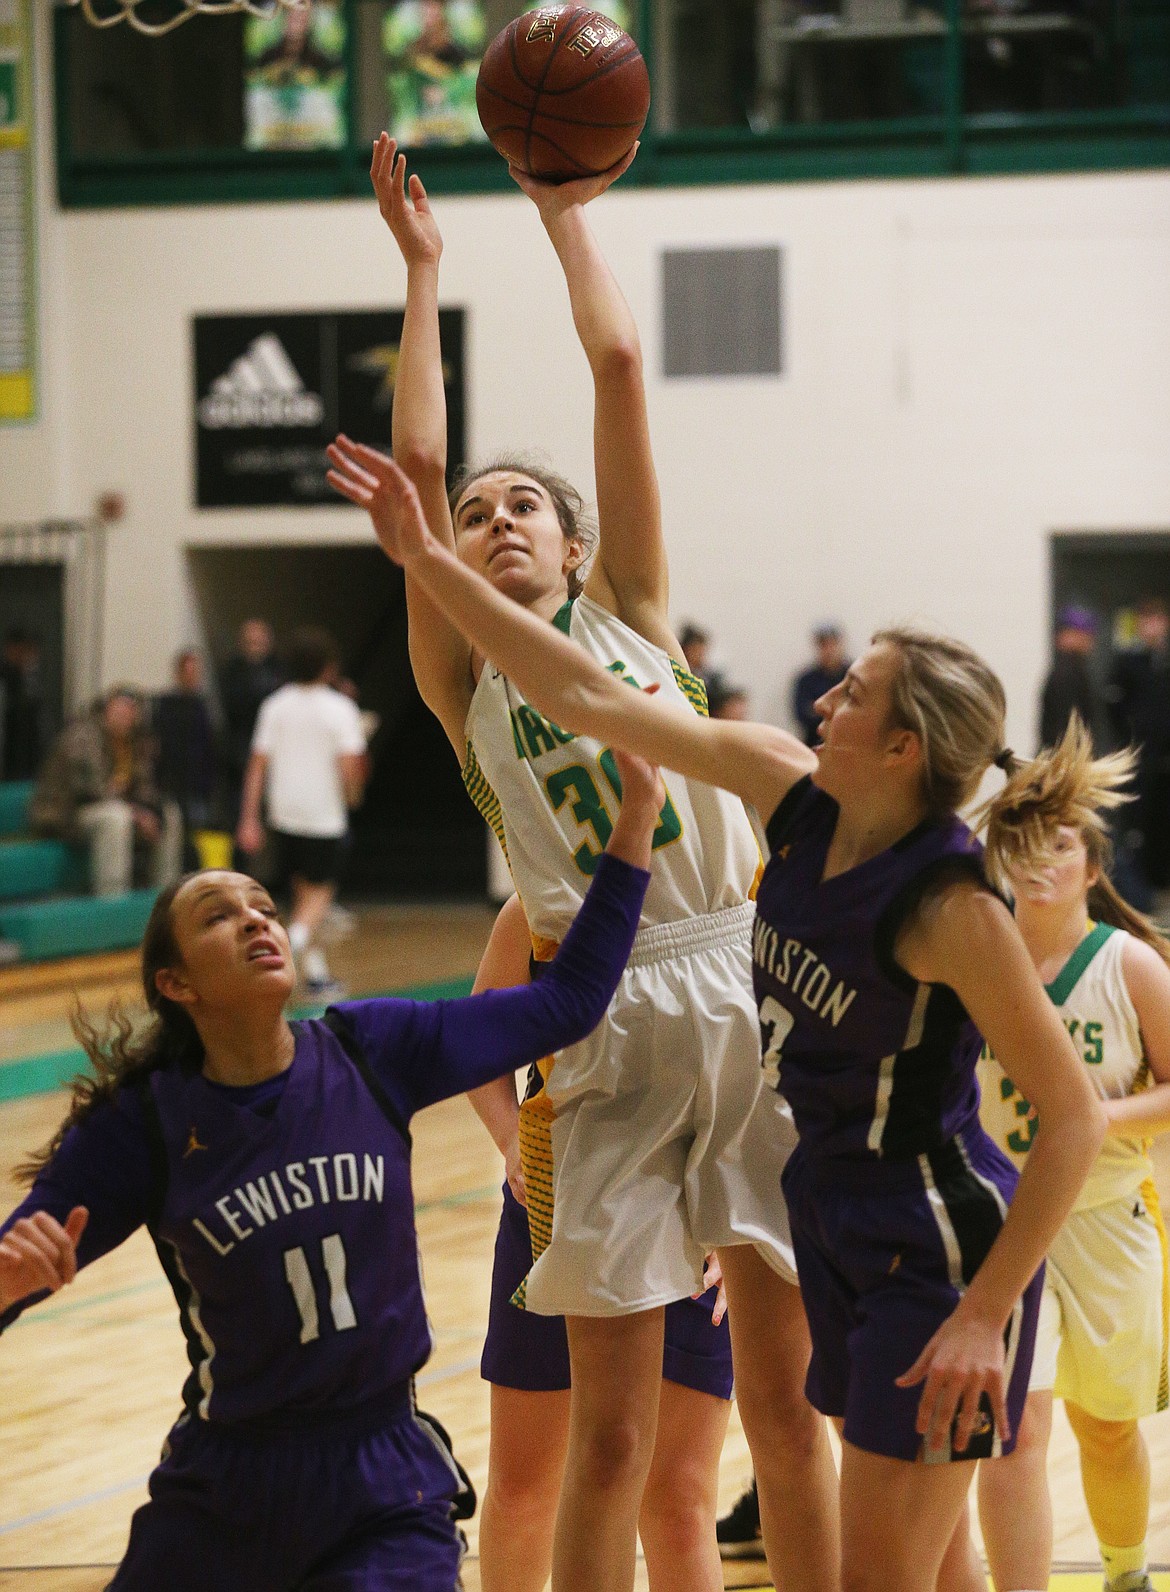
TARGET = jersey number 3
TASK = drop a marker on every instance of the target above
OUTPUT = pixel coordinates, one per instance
(775, 1026)
(588, 807)
(304, 1290)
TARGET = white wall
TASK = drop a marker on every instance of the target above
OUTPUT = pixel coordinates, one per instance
(970, 366)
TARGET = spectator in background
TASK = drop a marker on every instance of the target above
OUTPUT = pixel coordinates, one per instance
(1069, 686)
(696, 647)
(250, 675)
(810, 685)
(308, 762)
(186, 743)
(1138, 696)
(727, 701)
(22, 700)
(98, 788)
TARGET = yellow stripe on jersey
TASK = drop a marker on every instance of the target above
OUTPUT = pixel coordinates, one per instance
(484, 797)
(691, 687)
(1153, 1204)
(536, 1160)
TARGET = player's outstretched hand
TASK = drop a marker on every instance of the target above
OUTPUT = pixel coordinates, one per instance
(552, 199)
(962, 1362)
(37, 1253)
(405, 208)
(375, 483)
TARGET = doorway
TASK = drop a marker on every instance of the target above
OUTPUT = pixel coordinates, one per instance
(416, 833)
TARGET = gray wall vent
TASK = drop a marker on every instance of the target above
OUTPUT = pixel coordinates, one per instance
(721, 312)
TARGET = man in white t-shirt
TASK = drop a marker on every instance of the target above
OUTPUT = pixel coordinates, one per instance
(308, 763)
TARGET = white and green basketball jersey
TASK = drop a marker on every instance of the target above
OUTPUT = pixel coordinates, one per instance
(551, 797)
(1091, 996)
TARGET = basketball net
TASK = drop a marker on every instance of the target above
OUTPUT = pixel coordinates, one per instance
(127, 11)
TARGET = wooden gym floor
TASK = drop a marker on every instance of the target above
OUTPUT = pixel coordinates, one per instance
(89, 1381)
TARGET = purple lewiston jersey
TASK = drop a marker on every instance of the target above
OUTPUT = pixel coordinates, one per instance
(274, 1221)
(874, 1065)
(880, 1073)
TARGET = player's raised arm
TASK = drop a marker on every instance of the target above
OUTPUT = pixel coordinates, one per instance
(629, 575)
(439, 655)
(755, 761)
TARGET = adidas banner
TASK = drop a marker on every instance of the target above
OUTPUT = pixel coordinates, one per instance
(272, 390)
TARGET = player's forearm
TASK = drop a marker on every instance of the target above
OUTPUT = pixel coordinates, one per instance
(604, 322)
(489, 1035)
(496, 1106)
(1058, 1163)
(419, 420)
(1144, 1113)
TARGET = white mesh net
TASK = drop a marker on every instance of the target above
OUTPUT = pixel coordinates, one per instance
(111, 12)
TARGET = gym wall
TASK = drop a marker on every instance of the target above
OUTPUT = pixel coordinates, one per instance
(968, 367)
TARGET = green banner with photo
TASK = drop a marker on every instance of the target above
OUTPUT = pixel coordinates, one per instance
(17, 243)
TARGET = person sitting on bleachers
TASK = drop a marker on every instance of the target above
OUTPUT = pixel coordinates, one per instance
(97, 787)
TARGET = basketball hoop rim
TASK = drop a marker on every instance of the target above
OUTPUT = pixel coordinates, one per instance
(127, 11)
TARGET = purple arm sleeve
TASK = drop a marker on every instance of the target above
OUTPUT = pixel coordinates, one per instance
(426, 1051)
(104, 1164)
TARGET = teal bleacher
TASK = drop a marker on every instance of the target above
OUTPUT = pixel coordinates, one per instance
(44, 908)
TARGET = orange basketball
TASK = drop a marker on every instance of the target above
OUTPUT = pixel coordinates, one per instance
(563, 92)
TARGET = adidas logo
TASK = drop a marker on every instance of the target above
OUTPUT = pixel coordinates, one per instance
(261, 388)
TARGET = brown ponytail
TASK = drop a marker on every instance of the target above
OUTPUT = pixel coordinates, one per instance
(123, 1052)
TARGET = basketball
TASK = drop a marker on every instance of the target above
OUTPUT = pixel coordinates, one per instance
(563, 92)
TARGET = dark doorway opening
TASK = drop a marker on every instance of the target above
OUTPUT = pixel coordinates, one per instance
(32, 605)
(416, 833)
(1110, 572)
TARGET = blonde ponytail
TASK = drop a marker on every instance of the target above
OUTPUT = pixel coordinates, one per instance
(1065, 786)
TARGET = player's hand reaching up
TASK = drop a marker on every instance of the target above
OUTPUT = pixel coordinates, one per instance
(37, 1253)
(405, 208)
(554, 198)
(643, 797)
(375, 483)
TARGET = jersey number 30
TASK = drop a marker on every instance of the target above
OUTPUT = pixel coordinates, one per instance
(576, 783)
(304, 1289)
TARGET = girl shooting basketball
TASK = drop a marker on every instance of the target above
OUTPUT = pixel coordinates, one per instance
(271, 1164)
(664, 1143)
(1101, 1345)
(880, 956)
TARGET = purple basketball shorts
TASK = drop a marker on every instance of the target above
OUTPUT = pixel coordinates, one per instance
(326, 1508)
(883, 1261)
(531, 1352)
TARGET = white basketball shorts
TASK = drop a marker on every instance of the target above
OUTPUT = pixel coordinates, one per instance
(666, 1141)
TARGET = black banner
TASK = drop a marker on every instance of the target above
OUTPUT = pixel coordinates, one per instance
(272, 390)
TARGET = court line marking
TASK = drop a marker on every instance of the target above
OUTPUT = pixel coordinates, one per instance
(57, 1510)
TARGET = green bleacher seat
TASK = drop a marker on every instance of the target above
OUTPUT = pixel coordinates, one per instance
(39, 867)
(76, 925)
(15, 797)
